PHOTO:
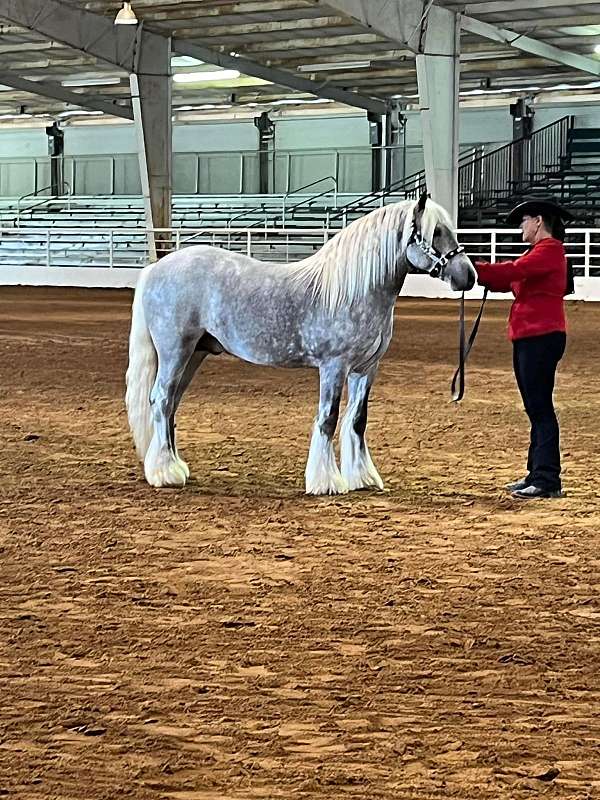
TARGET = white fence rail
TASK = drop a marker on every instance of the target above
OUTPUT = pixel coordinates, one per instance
(66, 250)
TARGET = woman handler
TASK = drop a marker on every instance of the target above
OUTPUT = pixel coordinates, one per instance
(537, 329)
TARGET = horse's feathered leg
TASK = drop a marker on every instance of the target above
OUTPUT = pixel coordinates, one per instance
(357, 466)
(162, 466)
(190, 370)
(322, 473)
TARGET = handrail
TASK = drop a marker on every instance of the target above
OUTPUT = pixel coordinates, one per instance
(312, 197)
(245, 213)
(510, 169)
(249, 212)
(312, 183)
(44, 201)
(535, 134)
(415, 182)
(409, 184)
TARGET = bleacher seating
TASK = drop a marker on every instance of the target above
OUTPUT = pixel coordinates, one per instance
(574, 182)
(188, 211)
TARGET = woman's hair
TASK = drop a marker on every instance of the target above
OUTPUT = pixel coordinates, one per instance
(555, 226)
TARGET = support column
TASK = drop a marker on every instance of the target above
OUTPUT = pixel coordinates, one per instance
(151, 101)
(376, 142)
(522, 114)
(395, 153)
(266, 151)
(56, 149)
(437, 76)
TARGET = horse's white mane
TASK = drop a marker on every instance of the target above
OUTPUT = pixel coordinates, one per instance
(365, 253)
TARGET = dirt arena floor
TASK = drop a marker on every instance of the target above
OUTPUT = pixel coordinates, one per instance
(237, 639)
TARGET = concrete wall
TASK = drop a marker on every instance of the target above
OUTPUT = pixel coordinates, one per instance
(305, 149)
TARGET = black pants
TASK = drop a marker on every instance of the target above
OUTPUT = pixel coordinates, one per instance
(535, 360)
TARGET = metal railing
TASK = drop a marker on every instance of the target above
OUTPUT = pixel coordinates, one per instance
(43, 202)
(310, 199)
(408, 187)
(128, 247)
(512, 169)
(272, 215)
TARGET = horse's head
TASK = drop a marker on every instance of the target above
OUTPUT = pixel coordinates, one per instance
(433, 247)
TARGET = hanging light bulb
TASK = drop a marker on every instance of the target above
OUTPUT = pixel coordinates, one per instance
(126, 16)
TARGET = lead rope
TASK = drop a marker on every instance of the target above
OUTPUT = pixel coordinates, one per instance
(463, 352)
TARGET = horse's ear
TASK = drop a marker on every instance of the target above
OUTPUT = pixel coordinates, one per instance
(422, 201)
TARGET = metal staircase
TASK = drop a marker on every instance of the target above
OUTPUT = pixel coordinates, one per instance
(558, 160)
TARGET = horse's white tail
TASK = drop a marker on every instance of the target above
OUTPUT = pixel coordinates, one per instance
(141, 373)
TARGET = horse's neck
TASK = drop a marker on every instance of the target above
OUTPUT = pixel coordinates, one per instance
(398, 275)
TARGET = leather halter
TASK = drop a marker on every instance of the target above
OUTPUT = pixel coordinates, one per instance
(437, 260)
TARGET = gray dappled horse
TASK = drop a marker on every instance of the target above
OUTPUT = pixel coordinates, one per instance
(333, 310)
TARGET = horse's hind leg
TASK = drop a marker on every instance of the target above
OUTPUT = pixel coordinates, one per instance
(357, 466)
(322, 473)
(190, 370)
(162, 466)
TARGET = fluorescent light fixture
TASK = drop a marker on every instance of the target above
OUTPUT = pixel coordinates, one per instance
(185, 61)
(201, 77)
(203, 107)
(81, 113)
(484, 55)
(91, 82)
(510, 90)
(126, 16)
(333, 66)
(597, 48)
(288, 101)
(581, 30)
(15, 116)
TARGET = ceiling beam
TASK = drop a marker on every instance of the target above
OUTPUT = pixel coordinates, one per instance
(397, 20)
(401, 19)
(57, 92)
(91, 33)
(288, 28)
(529, 45)
(125, 46)
(576, 19)
(505, 8)
(29, 47)
(348, 43)
(185, 47)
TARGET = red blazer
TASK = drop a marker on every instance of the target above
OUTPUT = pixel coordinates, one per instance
(538, 281)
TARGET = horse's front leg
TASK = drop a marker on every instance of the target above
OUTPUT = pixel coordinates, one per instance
(357, 466)
(322, 473)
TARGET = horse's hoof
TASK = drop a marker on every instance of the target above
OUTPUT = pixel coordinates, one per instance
(368, 482)
(362, 476)
(184, 467)
(333, 485)
(171, 474)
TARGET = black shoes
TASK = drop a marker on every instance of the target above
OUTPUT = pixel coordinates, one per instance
(517, 485)
(534, 492)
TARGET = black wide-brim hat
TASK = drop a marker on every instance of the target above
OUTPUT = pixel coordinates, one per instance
(536, 206)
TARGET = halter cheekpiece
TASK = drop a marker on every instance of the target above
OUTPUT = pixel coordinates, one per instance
(438, 260)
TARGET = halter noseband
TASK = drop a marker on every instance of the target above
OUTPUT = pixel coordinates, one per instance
(438, 261)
